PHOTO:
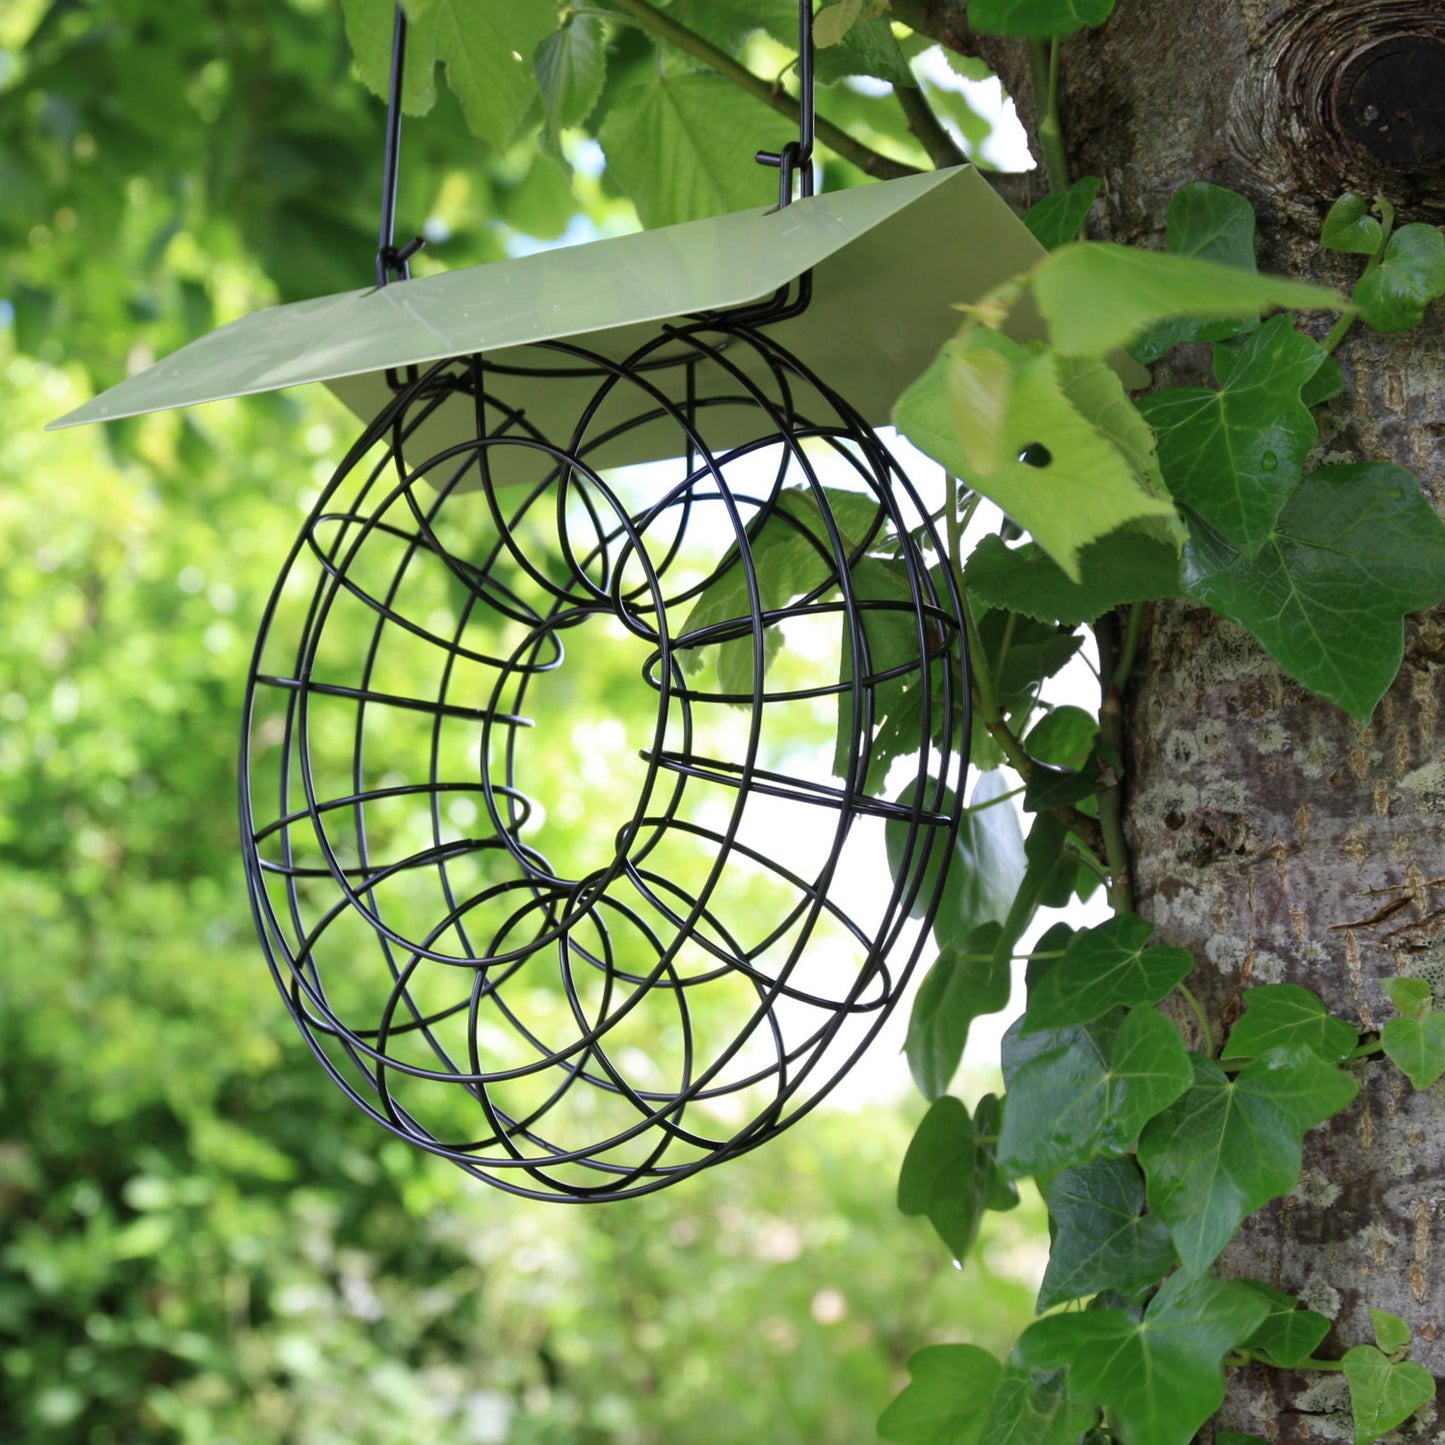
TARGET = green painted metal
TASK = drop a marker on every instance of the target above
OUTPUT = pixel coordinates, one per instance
(888, 260)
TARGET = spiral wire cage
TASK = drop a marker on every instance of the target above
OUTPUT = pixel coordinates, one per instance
(594, 811)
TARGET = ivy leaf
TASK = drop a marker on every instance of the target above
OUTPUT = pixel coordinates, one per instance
(672, 146)
(965, 983)
(1064, 736)
(1229, 1146)
(1411, 274)
(1096, 296)
(1355, 548)
(1391, 1332)
(1383, 1395)
(570, 66)
(1031, 1409)
(949, 1173)
(1020, 653)
(1234, 455)
(1416, 1047)
(986, 866)
(1412, 996)
(1057, 220)
(1287, 1334)
(1050, 787)
(1089, 1090)
(1104, 968)
(984, 402)
(1213, 224)
(947, 1398)
(1159, 1376)
(1349, 226)
(1127, 565)
(1102, 1240)
(1286, 1016)
(1037, 19)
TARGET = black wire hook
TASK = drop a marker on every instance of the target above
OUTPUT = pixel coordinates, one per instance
(392, 261)
(796, 158)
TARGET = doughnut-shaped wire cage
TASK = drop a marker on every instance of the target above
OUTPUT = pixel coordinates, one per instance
(595, 814)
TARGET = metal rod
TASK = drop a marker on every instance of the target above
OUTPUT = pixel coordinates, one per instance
(796, 158)
(388, 258)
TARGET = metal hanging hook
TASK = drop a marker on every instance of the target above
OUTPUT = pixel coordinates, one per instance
(795, 160)
(392, 261)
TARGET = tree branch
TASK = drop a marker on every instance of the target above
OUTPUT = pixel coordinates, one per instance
(871, 162)
(927, 128)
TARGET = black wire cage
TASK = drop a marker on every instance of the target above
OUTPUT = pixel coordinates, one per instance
(565, 1001)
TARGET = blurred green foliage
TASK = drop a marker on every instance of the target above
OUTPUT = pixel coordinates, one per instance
(200, 1240)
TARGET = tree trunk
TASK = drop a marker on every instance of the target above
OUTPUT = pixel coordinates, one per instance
(1273, 836)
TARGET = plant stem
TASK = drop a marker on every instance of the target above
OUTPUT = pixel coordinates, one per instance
(1341, 328)
(1044, 64)
(1200, 1017)
(1365, 1049)
(871, 162)
(927, 128)
(1130, 649)
(1111, 740)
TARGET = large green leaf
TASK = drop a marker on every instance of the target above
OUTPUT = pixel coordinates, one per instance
(1286, 1016)
(1084, 1090)
(1103, 968)
(1033, 1409)
(1235, 454)
(1355, 549)
(1037, 19)
(1102, 1239)
(965, 982)
(1127, 565)
(947, 1398)
(1383, 1395)
(729, 22)
(1411, 274)
(1097, 296)
(1230, 1145)
(949, 1173)
(985, 402)
(1287, 1334)
(674, 147)
(1159, 1376)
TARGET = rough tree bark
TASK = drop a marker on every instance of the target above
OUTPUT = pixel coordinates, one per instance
(1271, 834)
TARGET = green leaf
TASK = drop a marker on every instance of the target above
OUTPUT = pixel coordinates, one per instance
(964, 983)
(1212, 224)
(1287, 1334)
(1127, 565)
(1383, 1395)
(1051, 787)
(1037, 19)
(834, 21)
(1031, 1409)
(486, 48)
(1088, 1090)
(1411, 274)
(1057, 220)
(1096, 296)
(983, 402)
(729, 22)
(1102, 1239)
(947, 1398)
(672, 145)
(1159, 1376)
(1412, 996)
(1104, 968)
(949, 1173)
(1416, 1047)
(570, 67)
(1020, 653)
(1391, 1332)
(1286, 1016)
(985, 867)
(1355, 548)
(1229, 1146)
(1064, 736)
(1349, 226)
(1235, 454)
(868, 47)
